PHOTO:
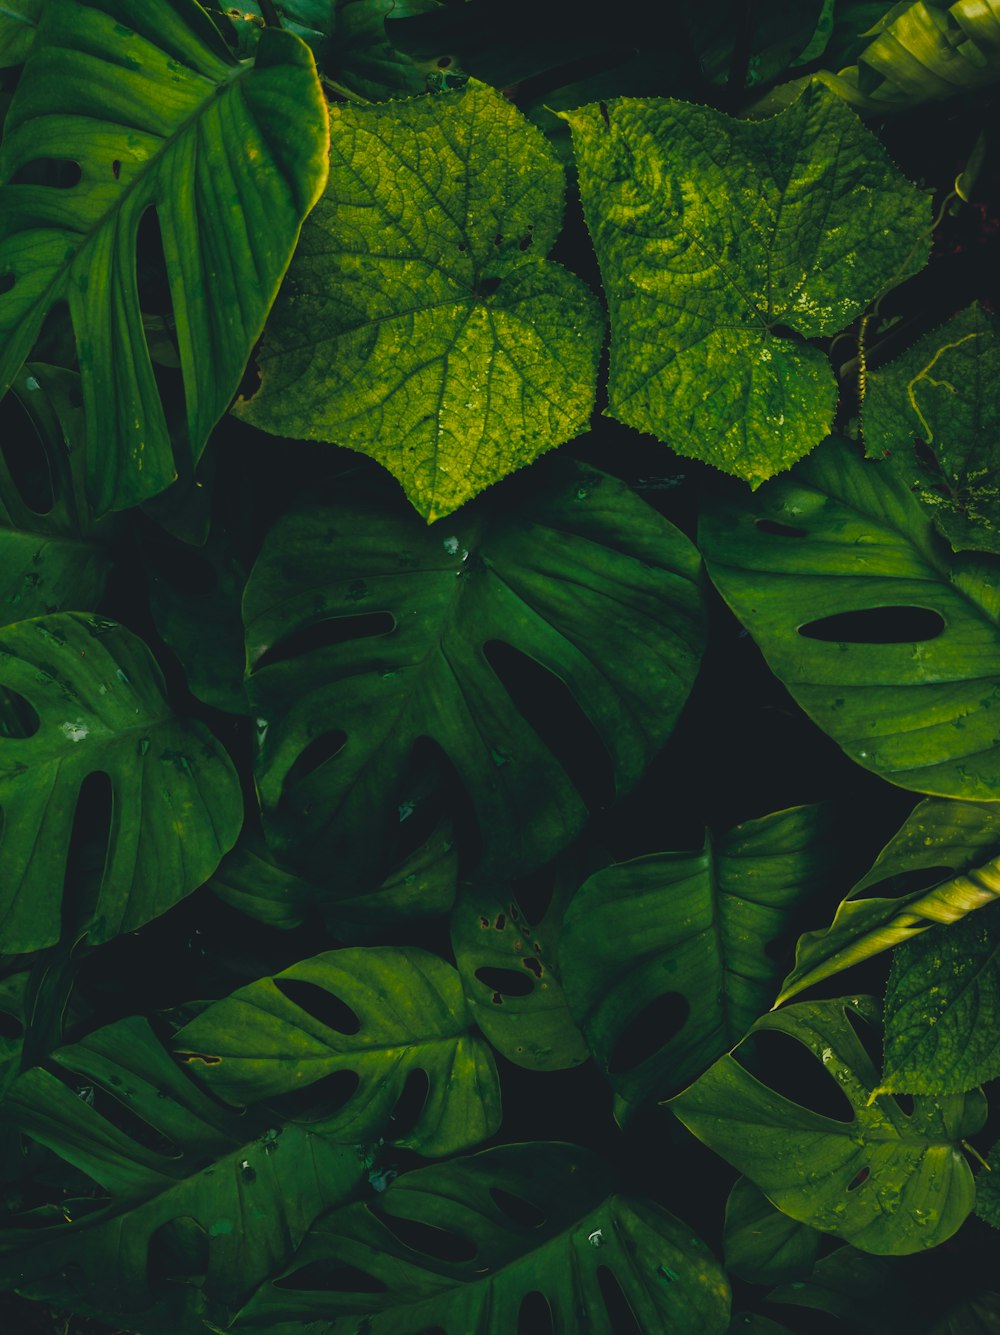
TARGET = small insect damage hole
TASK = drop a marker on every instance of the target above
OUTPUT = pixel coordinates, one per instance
(7, 281)
(533, 965)
(59, 173)
(859, 1179)
(323, 634)
(648, 1031)
(788, 1068)
(178, 1252)
(505, 982)
(534, 1316)
(410, 1105)
(324, 1006)
(18, 717)
(519, 1211)
(24, 451)
(779, 530)
(620, 1314)
(441, 1243)
(547, 705)
(877, 625)
(87, 855)
(330, 1277)
(321, 749)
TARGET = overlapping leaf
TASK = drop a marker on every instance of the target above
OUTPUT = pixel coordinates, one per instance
(18, 22)
(95, 705)
(762, 1245)
(580, 576)
(720, 243)
(151, 110)
(888, 1182)
(420, 321)
(532, 1221)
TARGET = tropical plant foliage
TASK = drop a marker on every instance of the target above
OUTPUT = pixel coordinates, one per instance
(499, 667)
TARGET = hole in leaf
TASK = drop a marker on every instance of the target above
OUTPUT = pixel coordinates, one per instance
(60, 173)
(317, 753)
(442, 1244)
(788, 1067)
(859, 1178)
(654, 1026)
(534, 1316)
(322, 1005)
(547, 704)
(159, 322)
(7, 281)
(151, 267)
(110, 1099)
(517, 1209)
(533, 965)
(620, 1314)
(780, 530)
(331, 1277)
(322, 634)
(876, 625)
(508, 982)
(11, 1027)
(905, 883)
(18, 719)
(88, 852)
(410, 1105)
(178, 1250)
(25, 456)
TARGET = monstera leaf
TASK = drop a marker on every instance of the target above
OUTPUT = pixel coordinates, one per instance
(53, 556)
(362, 621)
(954, 850)
(910, 688)
(888, 1182)
(189, 1207)
(711, 281)
(481, 1243)
(146, 106)
(673, 946)
(93, 698)
(380, 1013)
(934, 412)
(18, 22)
(440, 340)
(762, 1245)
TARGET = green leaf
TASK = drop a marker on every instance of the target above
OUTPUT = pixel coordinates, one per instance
(934, 412)
(190, 1207)
(155, 113)
(715, 238)
(439, 340)
(762, 1245)
(54, 557)
(692, 928)
(18, 22)
(918, 706)
(886, 1182)
(988, 1190)
(400, 1011)
(96, 703)
(360, 57)
(951, 849)
(942, 1009)
(543, 1219)
(580, 575)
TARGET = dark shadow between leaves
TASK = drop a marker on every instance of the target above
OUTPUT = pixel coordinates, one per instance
(656, 1024)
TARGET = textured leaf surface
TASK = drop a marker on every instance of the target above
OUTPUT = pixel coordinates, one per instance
(177, 808)
(420, 322)
(692, 928)
(401, 1011)
(195, 1206)
(935, 413)
(711, 233)
(580, 575)
(18, 23)
(952, 848)
(887, 1182)
(920, 706)
(154, 111)
(942, 1009)
(53, 556)
(580, 1231)
(988, 1190)
(762, 1245)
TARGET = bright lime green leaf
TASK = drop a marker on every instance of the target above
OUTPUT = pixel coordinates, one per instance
(887, 1182)
(721, 240)
(573, 571)
(150, 106)
(402, 1011)
(53, 556)
(935, 413)
(420, 322)
(953, 848)
(942, 1009)
(762, 1245)
(98, 698)
(580, 1226)
(692, 928)
(18, 22)
(919, 705)
(189, 1212)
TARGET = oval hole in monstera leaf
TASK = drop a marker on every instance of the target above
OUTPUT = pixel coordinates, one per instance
(904, 884)
(18, 717)
(507, 982)
(534, 1316)
(517, 1209)
(323, 634)
(409, 1106)
(327, 1276)
(443, 1244)
(178, 1252)
(320, 1003)
(622, 1318)
(787, 1067)
(876, 625)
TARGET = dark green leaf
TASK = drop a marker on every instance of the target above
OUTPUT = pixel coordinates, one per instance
(762, 1245)
(18, 22)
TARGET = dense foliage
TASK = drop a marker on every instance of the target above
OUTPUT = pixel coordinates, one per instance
(499, 667)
